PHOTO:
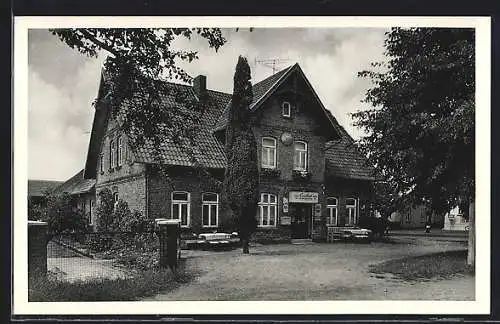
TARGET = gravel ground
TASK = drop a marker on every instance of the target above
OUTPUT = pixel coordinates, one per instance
(316, 271)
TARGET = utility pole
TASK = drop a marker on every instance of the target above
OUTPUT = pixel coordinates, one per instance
(271, 62)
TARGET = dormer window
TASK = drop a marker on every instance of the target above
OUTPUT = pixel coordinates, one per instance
(286, 109)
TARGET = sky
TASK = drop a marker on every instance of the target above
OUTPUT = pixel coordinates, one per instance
(62, 83)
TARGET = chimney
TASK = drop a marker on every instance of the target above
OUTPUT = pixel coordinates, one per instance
(200, 85)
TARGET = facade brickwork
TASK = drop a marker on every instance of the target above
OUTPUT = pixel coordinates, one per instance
(128, 180)
(147, 189)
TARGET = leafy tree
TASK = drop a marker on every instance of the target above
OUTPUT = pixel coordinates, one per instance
(35, 210)
(60, 215)
(420, 132)
(242, 174)
(138, 59)
(104, 210)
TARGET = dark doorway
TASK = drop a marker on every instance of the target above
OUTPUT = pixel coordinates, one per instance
(301, 221)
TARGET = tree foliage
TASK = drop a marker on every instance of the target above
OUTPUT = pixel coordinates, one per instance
(104, 210)
(138, 62)
(242, 174)
(61, 216)
(420, 132)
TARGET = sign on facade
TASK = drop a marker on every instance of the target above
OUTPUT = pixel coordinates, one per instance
(286, 220)
(317, 210)
(303, 197)
(285, 205)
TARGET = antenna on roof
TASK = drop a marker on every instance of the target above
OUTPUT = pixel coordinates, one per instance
(271, 62)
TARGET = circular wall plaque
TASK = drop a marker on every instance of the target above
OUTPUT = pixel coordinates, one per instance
(286, 138)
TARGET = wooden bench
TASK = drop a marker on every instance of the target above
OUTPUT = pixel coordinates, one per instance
(335, 233)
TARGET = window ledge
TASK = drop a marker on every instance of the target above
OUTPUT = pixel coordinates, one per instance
(270, 172)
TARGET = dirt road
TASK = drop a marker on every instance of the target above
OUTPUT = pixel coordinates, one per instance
(315, 271)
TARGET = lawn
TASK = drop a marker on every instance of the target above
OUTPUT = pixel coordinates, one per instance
(431, 266)
(142, 284)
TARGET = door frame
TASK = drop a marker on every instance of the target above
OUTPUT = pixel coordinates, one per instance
(308, 220)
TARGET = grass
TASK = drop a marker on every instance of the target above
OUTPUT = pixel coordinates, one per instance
(144, 283)
(431, 266)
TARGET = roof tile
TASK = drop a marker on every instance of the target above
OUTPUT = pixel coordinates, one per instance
(76, 185)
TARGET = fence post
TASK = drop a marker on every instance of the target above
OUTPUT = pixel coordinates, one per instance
(37, 249)
(169, 243)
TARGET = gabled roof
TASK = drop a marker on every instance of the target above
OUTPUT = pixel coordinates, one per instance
(265, 88)
(76, 185)
(259, 89)
(38, 188)
(208, 151)
(343, 160)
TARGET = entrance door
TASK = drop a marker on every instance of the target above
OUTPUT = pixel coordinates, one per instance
(301, 222)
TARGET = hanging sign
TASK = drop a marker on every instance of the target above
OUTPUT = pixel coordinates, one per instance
(303, 197)
(285, 205)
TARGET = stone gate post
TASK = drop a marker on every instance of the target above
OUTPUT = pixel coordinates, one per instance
(169, 243)
(37, 248)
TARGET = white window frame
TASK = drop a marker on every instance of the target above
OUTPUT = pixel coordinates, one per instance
(112, 156)
(116, 197)
(121, 150)
(180, 203)
(101, 162)
(91, 221)
(209, 204)
(303, 155)
(268, 206)
(283, 104)
(331, 209)
(267, 150)
(352, 212)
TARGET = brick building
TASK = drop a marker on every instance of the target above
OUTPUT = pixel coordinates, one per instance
(83, 193)
(311, 174)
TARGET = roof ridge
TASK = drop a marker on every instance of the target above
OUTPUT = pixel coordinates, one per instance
(273, 75)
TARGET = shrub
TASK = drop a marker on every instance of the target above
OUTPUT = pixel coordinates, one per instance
(60, 216)
(104, 210)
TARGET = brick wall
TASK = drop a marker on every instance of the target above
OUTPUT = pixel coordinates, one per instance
(128, 179)
(126, 170)
(37, 248)
(348, 188)
(131, 190)
(303, 125)
(181, 179)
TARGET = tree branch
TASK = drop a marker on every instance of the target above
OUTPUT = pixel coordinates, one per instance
(99, 43)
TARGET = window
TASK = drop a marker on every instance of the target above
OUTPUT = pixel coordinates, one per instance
(210, 209)
(331, 207)
(351, 206)
(267, 210)
(91, 215)
(408, 216)
(286, 109)
(112, 157)
(121, 151)
(300, 156)
(101, 162)
(180, 207)
(115, 199)
(268, 152)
